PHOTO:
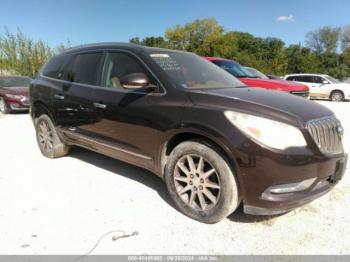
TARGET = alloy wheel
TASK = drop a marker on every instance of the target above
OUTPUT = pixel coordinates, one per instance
(45, 134)
(197, 182)
(336, 96)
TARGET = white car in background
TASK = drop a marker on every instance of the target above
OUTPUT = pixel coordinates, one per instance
(323, 86)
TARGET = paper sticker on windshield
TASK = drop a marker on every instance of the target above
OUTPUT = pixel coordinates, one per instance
(159, 55)
(166, 62)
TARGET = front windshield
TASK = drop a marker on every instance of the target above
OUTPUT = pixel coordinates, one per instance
(233, 68)
(332, 80)
(15, 81)
(191, 71)
(256, 73)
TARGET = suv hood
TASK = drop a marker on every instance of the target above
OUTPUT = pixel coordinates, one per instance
(18, 90)
(281, 85)
(261, 102)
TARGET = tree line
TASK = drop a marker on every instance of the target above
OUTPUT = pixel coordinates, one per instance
(21, 55)
(326, 50)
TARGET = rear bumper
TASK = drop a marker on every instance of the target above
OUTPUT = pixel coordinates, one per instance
(327, 174)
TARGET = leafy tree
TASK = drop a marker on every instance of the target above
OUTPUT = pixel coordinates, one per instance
(158, 41)
(154, 41)
(23, 55)
(324, 39)
(345, 57)
(198, 36)
(301, 60)
(135, 40)
(345, 38)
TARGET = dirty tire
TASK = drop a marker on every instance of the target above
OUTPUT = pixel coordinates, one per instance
(48, 140)
(188, 182)
(337, 96)
(3, 107)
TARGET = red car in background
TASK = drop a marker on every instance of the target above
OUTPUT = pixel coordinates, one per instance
(14, 94)
(249, 79)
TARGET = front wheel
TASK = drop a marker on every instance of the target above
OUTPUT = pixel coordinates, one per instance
(337, 96)
(201, 182)
(3, 107)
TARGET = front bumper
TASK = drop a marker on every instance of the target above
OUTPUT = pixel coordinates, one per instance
(18, 105)
(304, 94)
(328, 171)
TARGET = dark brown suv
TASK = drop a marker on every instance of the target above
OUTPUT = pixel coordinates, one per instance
(215, 142)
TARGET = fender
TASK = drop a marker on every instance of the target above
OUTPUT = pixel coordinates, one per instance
(200, 131)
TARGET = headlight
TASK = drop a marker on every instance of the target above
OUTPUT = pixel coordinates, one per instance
(271, 133)
(17, 97)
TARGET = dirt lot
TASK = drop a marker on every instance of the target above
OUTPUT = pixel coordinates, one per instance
(69, 205)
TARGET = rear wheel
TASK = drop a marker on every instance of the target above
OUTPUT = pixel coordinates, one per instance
(48, 140)
(201, 183)
(337, 96)
(3, 107)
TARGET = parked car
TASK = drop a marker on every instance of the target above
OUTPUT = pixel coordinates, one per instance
(14, 93)
(323, 86)
(215, 142)
(251, 80)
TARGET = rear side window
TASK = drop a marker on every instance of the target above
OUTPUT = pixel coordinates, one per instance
(292, 78)
(84, 69)
(52, 68)
(306, 79)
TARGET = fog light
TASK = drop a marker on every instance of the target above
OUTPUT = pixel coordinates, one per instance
(293, 187)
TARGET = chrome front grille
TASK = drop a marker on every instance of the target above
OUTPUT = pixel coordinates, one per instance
(327, 133)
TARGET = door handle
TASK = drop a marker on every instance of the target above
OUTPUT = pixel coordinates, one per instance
(99, 105)
(59, 97)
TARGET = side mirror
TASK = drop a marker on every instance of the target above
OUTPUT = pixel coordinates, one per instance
(134, 81)
(325, 82)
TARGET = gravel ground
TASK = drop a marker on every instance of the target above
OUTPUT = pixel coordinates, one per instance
(71, 204)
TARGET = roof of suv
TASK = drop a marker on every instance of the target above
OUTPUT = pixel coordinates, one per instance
(107, 45)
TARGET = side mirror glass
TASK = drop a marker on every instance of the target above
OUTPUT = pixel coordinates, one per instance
(134, 81)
